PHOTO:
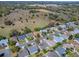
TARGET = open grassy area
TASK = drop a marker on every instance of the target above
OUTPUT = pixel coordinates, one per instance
(21, 19)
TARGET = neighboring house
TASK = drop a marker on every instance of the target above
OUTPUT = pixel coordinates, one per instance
(76, 55)
(68, 45)
(43, 45)
(33, 49)
(44, 30)
(62, 26)
(14, 38)
(4, 43)
(50, 42)
(76, 31)
(64, 36)
(60, 51)
(54, 28)
(51, 36)
(32, 42)
(77, 39)
(5, 53)
(58, 39)
(71, 33)
(51, 54)
(21, 37)
(29, 35)
(70, 24)
(23, 53)
(20, 45)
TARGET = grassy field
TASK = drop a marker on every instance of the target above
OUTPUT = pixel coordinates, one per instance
(23, 18)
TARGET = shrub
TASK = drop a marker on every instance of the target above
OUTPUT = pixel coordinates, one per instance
(2, 37)
(76, 35)
(37, 29)
(27, 30)
(14, 33)
(11, 42)
(8, 22)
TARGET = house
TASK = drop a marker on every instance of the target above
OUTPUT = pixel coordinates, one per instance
(23, 53)
(58, 39)
(76, 31)
(77, 39)
(20, 45)
(4, 43)
(51, 54)
(5, 53)
(68, 45)
(33, 49)
(44, 30)
(51, 43)
(60, 51)
(64, 36)
(54, 28)
(14, 38)
(76, 55)
(21, 37)
(43, 45)
(62, 26)
(70, 24)
(29, 34)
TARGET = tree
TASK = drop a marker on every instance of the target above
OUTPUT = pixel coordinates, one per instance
(74, 18)
(8, 22)
(57, 45)
(2, 37)
(45, 51)
(76, 35)
(27, 30)
(53, 16)
(38, 35)
(16, 49)
(14, 33)
(37, 28)
(65, 40)
(71, 37)
(11, 42)
(70, 29)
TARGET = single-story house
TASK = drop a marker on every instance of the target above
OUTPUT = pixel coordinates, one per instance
(60, 51)
(44, 30)
(33, 49)
(29, 34)
(43, 45)
(62, 26)
(5, 53)
(54, 28)
(68, 45)
(64, 36)
(51, 54)
(76, 55)
(58, 39)
(70, 24)
(21, 37)
(76, 31)
(4, 42)
(50, 42)
(23, 53)
(77, 39)
(20, 45)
